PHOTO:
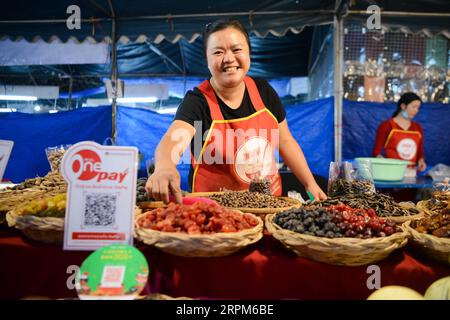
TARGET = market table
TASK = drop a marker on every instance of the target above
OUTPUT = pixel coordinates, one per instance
(409, 189)
(418, 182)
(265, 270)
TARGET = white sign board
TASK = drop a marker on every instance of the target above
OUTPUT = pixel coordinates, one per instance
(101, 195)
(5, 151)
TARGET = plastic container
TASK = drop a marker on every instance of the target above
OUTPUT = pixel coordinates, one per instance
(386, 169)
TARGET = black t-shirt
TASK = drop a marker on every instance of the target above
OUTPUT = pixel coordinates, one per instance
(195, 108)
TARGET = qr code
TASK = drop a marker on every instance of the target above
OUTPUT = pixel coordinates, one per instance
(100, 209)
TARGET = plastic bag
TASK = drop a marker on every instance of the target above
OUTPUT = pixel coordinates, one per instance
(346, 178)
(55, 155)
(261, 185)
(439, 172)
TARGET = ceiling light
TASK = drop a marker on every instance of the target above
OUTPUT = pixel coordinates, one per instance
(167, 110)
(17, 98)
(141, 99)
(8, 110)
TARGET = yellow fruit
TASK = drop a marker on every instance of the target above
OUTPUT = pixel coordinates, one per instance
(395, 293)
(439, 290)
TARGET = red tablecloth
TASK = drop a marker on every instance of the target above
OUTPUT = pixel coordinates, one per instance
(265, 270)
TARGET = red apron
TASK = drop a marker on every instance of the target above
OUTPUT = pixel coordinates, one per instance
(238, 150)
(402, 144)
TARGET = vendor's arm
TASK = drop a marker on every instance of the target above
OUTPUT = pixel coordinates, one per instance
(294, 158)
(382, 133)
(166, 178)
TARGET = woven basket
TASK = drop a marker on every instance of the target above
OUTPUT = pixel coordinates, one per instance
(422, 205)
(47, 229)
(338, 251)
(150, 205)
(403, 219)
(208, 245)
(429, 245)
(261, 212)
(160, 296)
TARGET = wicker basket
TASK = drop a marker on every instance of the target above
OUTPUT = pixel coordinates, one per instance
(160, 296)
(403, 219)
(150, 205)
(422, 205)
(338, 251)
(429, 245)
(208, 245)
(47, 229)
(261, 212)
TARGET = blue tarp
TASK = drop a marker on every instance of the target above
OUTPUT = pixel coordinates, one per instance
(361, 120)
(32, 133)
(144, 130)
(312, 125)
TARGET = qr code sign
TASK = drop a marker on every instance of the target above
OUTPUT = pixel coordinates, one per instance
(100, 209)
(112, 276)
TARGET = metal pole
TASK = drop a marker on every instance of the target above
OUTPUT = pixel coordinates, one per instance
(69, 103)
(399, 14)
(174, 16)
(338, 40)
(113, 73)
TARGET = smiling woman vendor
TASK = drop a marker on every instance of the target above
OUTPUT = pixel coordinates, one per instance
(400, 137)
(233, 124)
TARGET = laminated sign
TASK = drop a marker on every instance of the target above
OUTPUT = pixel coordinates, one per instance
(112, 272)
(101, 195)
(5, 151)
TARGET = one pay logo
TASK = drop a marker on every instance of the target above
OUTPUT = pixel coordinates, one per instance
(87, 165)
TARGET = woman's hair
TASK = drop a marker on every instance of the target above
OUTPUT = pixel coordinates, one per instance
(222, 24)
(406, 99)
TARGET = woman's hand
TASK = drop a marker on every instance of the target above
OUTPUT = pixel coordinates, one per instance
(422, 165)
(162, 182)
(316, 192)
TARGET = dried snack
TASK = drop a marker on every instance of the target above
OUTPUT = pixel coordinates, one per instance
(55, 155)
(247, 199)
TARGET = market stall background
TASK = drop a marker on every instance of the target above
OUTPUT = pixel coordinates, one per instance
(144, 129)
(289, 39)
(149, 42)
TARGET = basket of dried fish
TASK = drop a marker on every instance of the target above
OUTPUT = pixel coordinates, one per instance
(431, 235)
(41, 219)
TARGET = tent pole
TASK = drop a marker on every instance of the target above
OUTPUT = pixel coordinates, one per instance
(113, 73)
(338, 40)
(69, 103)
